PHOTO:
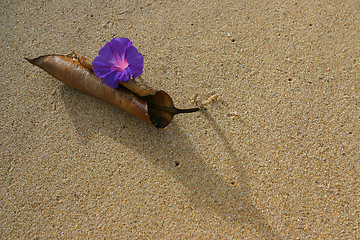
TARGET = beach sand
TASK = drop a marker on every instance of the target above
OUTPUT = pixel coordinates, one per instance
(275, 156)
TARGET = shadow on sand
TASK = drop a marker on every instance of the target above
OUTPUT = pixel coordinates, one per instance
(165, 148)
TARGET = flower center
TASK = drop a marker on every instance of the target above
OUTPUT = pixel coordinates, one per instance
(121, 64)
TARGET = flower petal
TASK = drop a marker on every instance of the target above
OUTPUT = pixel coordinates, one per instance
(130, 52)
(107, 53)
(134, 71)
(101, 63)
(101, 73)
(125, 76)
(110, 79)
(119, 46)
(136, 61)
(118, 75)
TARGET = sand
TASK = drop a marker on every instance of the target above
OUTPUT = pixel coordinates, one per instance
(276, 155)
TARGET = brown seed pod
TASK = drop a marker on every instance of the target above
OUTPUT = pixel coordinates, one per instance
(152, 106)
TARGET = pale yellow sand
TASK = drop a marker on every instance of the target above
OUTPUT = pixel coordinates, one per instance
(275, 156)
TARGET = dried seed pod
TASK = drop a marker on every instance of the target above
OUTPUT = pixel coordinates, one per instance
(154, 107)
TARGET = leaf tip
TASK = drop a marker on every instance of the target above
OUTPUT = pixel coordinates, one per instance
(31, 60)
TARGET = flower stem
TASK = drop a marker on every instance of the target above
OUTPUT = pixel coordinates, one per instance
(174, 110)
(188, 110)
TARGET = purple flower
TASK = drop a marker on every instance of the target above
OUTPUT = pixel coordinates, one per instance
(118, 61)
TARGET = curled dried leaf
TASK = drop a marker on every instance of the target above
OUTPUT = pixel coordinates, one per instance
(152, 106)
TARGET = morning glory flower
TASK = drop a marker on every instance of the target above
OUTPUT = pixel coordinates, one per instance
(118, 61)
